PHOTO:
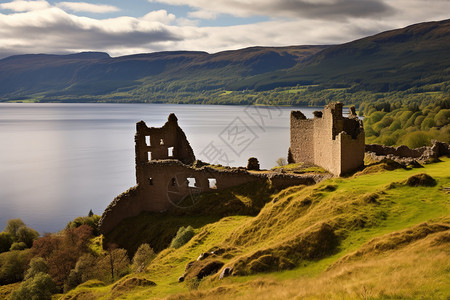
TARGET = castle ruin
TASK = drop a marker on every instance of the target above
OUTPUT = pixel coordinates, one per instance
(166, 175)
(328, 140)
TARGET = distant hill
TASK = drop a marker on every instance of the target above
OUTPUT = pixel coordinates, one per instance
(395, 60)
(414, 59)
(97, 73)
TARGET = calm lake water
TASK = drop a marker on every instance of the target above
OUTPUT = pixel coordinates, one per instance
(58, 161)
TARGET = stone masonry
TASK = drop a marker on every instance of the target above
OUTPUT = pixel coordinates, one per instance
(329, 140)
(165, 175)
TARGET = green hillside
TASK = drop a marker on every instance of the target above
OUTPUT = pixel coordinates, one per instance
(376, 235)
(395, 60)
(411, 64)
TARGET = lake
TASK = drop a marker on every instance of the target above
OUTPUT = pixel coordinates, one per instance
(58, 161)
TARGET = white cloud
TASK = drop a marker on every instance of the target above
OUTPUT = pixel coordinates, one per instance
(53, 30)
(87, 7)
(203, 14)
(21, 6)
(38, 27)
(160, 16)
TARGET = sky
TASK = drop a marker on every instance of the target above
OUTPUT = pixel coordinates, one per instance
(123, 27)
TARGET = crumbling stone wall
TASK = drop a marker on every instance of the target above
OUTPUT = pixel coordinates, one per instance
(329, 140)
(164, 180)
(167, 142)
(405, 155)
(168, 182)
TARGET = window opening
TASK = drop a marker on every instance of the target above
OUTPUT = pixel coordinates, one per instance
(212, 183)
(150, 181)
(149, 156)
(191, 182)
(161, 142)
(170, 149)
(147, 140)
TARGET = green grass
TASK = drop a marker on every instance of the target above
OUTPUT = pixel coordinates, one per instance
(358, 209)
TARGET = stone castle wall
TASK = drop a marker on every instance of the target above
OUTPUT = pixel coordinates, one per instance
(168, 182)
(329, 140)
(165, 177)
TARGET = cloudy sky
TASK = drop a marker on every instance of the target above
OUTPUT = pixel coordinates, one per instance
(122, 27)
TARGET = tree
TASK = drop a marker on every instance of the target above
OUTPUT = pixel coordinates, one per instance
(37, 265)
(13, 265)
(12, 226)
(20, 233)
(62, 251)
(85, 269)
(91, 220)
(38, 287)
(6, 241)
(18, 246)
(142, 258)
(115, 263)
(281, 161)
(27, 235)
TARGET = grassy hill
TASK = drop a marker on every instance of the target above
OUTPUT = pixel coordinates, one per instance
(376, 235)
(411, 63)
(96, 76)
(395, 60)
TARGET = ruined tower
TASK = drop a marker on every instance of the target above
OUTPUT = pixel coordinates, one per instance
(329, 140)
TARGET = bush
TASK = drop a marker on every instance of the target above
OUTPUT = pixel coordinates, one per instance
(427, 123)
(142, 258)
(37, 265)
(20, 234)
(13, 265)
(183, 236)
(6, 241)
(91, 220)
(27, 235)
(442, 117)
(18, 246)
(85, 269)
(39, 287)
(416, 139)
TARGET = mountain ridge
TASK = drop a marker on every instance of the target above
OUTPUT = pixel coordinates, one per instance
(391, 61)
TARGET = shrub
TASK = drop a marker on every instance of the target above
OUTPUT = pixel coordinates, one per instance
(27, 235)
(18, 246)
(183, 236)
(13, 265)
(281, 161)
(20, 234)
(39, 287)
(416, 139)
(442, 117)
(6, 241)
(142, 258)
(85, 269)
(12, 226)
(91, 220)
(37, 265)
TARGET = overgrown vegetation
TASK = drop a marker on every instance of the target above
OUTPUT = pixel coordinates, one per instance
(411, 125)
(329, 241)
(183, 236)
